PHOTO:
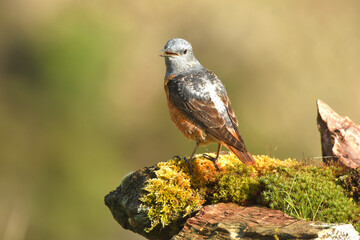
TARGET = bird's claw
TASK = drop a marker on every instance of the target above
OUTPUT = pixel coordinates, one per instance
(187, 161)
(207, 156)
(178, 157)
(213, 159)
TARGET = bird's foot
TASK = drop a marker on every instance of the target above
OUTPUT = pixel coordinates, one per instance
(213, 159)
(207, 156)
(178, 157)
(187, 160)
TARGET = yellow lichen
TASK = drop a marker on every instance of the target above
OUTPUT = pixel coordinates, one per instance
(169, 196)
(204, 172)
(266, 164)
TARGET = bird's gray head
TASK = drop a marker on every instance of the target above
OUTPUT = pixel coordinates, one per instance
(179, 57)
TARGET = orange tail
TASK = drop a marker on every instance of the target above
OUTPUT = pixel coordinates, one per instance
(245, 157)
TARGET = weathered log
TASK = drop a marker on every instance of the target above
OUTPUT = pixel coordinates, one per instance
(340, 137)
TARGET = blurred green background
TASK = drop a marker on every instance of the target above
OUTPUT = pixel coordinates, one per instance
(82, 100)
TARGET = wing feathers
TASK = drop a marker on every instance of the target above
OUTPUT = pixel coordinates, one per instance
(229, 108)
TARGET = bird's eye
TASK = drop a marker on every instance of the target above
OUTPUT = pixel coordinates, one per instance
(185, 51)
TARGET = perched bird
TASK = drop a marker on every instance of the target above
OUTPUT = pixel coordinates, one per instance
(198, 102)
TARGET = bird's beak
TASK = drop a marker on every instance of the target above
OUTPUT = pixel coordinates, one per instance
(168, 53)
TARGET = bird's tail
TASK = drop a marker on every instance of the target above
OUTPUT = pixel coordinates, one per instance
(244, 156)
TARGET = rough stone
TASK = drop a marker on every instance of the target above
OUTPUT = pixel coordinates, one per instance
(231, 221)
(340, 137)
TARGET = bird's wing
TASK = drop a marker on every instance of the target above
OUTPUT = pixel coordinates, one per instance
(220, 89)
(225, 99)
(201, 100)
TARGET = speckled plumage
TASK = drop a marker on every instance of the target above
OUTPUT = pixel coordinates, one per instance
(198, 102)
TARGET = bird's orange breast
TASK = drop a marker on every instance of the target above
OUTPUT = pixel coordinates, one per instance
(184, 123)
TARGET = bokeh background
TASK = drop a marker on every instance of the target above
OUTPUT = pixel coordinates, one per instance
(82, 100)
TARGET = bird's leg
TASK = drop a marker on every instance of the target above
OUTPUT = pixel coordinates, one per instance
(192, 155)
(214, 159)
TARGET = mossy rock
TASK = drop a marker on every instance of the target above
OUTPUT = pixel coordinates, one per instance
(307, 192)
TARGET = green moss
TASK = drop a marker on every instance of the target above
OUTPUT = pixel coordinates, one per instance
(239, 185)
(240, 182)
(310, 193)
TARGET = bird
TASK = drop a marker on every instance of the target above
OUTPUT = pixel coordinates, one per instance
(198, 103)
